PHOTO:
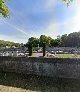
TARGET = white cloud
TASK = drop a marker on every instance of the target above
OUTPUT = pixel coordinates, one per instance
(50, 4)
(43, 6)
(21, 37)
(12, 39)
(20, 29)
(51, 30)
(72, 24)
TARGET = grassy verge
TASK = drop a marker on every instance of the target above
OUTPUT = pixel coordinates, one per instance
(67, 56)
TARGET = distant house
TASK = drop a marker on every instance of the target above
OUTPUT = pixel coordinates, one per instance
(63, 49)
(12, 52)
(38, 49)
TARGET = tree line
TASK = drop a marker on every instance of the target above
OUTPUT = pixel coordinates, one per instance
(8, 43)
(66, 40)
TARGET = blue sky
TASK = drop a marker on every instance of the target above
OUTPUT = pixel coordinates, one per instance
(32, 18)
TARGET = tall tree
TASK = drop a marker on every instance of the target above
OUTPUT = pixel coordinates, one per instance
(59, 40)
(34, 41)
(73, 39)
(64, 40)
(45, 39)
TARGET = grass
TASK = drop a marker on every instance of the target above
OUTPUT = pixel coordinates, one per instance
(67, 56)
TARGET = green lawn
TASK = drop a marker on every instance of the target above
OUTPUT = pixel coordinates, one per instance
(67, 56)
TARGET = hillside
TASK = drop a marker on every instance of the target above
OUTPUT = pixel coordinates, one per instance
(8, 43)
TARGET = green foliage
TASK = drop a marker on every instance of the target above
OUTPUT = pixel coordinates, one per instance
(3, 8)
(7, 43)
(67, 56)
(45, 39)
(33, 41)
(68, 2)
(64, 38)
(55, 43)
(73, 39)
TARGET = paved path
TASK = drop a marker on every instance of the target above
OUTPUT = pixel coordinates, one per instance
(37, 55)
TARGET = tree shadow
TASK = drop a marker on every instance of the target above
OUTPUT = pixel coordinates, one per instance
(39, 84)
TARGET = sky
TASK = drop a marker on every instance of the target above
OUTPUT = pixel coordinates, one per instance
(32, 18)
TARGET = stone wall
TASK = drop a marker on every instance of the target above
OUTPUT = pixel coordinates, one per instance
(51, 67)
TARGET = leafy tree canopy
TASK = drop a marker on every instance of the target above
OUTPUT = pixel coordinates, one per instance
(68, 2)
(3, 8)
